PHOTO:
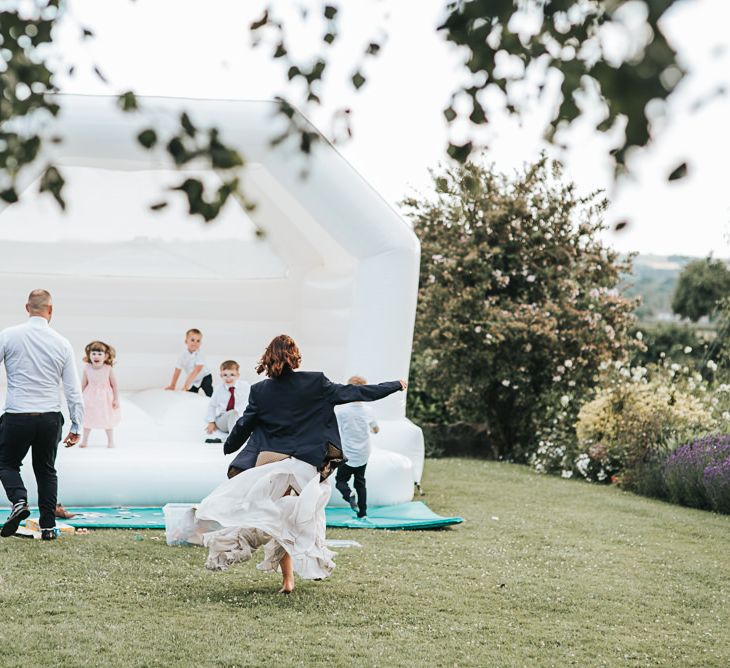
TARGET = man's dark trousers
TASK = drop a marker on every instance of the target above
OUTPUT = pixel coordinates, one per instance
(20, 432)
(344, 472)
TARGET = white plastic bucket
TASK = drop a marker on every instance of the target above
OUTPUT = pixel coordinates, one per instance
(179, 523)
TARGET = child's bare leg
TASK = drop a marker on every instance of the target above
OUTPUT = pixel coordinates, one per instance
(287, 572)
(85, 438)
(109, 438)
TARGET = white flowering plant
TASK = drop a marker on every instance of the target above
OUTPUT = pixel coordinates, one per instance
(640, 414)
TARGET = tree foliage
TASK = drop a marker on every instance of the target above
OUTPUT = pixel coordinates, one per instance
(27, 102)
(517, 302)
(701, 285)
(505, 43)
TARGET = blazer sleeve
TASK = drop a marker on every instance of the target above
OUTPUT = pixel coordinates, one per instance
(243, 427)
(344, 394)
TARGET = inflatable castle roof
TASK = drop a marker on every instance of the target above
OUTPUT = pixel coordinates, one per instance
(336, 267)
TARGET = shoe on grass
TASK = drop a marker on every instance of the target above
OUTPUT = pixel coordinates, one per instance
(48, 534)
(19, 512)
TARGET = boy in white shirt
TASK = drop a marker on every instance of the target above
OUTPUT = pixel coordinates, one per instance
(355, 421)
(228, 401)
(192, 362)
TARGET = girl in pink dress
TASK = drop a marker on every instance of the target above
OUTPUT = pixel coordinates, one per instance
(101, 396)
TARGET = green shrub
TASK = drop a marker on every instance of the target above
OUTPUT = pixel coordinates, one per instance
(517, 302)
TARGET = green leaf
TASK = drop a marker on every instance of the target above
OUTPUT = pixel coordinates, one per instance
(127, 101)
(53, 182)
(358, 80)
(260, 23)
(158, 207)
(450, 114)
(373, 49)
(330, 11)
(187, 125)
(177, 150)
(460, 152)
(148, 138)
(280, 50)
(329, 37)
(100, 74)
(679, 172)
(9, 196)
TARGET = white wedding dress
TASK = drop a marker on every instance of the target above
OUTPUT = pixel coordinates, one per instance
(253, 511)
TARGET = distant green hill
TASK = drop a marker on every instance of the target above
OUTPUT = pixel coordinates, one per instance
(654, 278)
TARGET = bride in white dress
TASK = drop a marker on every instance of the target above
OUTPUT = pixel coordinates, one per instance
(275, 495)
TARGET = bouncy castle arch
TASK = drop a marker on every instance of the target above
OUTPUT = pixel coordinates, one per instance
(337, 269)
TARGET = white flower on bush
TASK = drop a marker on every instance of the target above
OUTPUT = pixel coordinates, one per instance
(601, 475)
(567, 474)
(711, 365)
(726, 416)
(687, 350)
(581, 463)
(530, 279)
(564, 400)
(477, 329)
(557, 379)
(639, 336)
(505, 383)
(568, 363)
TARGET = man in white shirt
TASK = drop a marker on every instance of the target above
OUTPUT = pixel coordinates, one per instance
(355, 421)
(228, 401)
(37, 359)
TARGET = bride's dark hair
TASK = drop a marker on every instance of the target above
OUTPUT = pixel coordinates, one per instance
(281, 355)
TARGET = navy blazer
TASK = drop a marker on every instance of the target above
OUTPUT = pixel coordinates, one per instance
(294, 414)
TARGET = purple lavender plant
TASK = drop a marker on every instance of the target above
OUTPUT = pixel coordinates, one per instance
(717, 485)
(684, 469)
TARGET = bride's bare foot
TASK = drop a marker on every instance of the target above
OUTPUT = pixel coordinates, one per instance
(82, 445)
(110, 445)
(287, 574)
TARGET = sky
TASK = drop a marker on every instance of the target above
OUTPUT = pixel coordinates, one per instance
(184, 48)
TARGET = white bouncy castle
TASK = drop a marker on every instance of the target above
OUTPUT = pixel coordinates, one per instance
(336, 268)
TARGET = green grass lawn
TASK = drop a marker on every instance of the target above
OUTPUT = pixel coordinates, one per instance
(543, 572)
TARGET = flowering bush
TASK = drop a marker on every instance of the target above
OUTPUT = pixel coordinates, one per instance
(697, 474)
(717, 485)
(518, 303)
(636, 419)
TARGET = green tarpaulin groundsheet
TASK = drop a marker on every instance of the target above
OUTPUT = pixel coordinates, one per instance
(414, 515)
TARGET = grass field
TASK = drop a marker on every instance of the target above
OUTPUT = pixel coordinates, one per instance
(543, 572)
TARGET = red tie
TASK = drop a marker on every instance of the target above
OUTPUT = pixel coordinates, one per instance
(232, 401)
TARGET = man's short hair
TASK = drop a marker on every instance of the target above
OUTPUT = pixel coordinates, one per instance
(39, 301)
(230, 364)
(356, 380)
(193, 331)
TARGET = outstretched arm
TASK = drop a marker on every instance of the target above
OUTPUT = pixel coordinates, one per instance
(191, 377)
(243, 428)
(344, 394)
(173, 382)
